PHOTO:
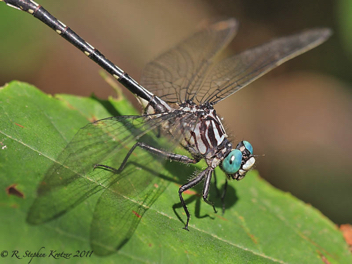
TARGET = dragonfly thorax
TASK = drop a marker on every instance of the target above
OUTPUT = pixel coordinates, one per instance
(207, 136)
(208, 140)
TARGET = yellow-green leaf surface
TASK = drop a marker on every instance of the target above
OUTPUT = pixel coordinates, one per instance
(261, 224)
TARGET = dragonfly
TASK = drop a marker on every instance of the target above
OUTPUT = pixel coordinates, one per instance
(178, 92)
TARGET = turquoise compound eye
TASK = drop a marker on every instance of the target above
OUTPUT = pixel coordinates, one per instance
(248, 146)
(232, 163)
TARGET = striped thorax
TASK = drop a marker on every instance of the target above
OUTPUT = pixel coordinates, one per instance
(206, 137)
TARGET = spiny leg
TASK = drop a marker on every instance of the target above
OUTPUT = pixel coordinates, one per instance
(206, 189)
(155, 151)
(189, 185)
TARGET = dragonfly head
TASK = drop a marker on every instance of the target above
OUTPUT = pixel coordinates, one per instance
(239, 161)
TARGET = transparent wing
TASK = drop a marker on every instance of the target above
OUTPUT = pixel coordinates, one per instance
(176, 75)
(121, 206)
(125, 196)
(234, 73)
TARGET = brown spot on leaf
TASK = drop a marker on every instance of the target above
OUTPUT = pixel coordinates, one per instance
(347, 234)
(190, 192)
(323, 258)
(70, 106)
(19, 125)
(93, 119)
(136, 214)
(254, 239)
(221, 217)
(12, 190)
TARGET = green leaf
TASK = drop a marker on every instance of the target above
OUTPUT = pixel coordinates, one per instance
(343, 12)
(261, 224)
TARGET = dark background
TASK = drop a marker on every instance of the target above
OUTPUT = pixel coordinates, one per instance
(299, 115)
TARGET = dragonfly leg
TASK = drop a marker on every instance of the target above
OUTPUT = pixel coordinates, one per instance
(155, 151)
(122, 166)
(216, 184)
(206, 189)
(167, 155)
(189, 185)
(106, 167)
(223, 197)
